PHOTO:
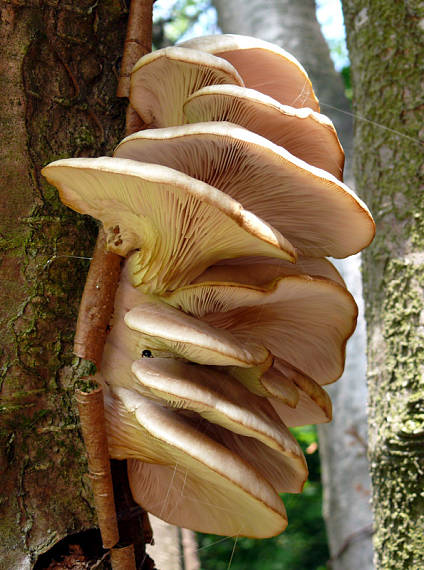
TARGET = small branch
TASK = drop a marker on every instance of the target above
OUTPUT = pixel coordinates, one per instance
(91, 411)
(137, 43)
(97, 302)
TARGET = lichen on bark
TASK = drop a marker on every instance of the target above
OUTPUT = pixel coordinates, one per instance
(386, 45)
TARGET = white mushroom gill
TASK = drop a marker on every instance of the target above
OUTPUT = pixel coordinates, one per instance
(178, 225)
(315, 211)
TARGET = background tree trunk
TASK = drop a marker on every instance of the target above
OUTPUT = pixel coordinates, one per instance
(293, 26)
(386, 45)
(57, 99)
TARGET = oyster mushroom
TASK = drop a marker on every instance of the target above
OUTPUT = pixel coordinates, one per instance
(304, 133)
(175, 225)
(263, 66)
(162, 80)
(185, 477)
(315, 211)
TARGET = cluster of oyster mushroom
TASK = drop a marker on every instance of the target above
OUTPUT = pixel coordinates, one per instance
(228, 318)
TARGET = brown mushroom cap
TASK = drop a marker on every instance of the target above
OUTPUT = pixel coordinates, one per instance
(304, 133)
(315, 211)
(263, 66)
(302, 320)
(314, 404)
(257, 271)
(178, 225)
(223, 401)
(162, 80)
(194, 482)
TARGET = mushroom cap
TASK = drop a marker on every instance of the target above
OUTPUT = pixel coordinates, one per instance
(314, 404)
(257, 271)
(304, 133)
(265, 380)
(162, 80)
(223, 401)
(263, 66)
(157, 326)
(194, 482)
(178, 225)
(302, 320)
(315, 211)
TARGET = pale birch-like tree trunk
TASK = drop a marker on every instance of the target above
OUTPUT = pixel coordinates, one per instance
(293, 26)
(57, 99)
(386, 45)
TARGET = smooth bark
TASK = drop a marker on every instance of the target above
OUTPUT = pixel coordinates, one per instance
(57, 99)
(386, 45)
(293, 26)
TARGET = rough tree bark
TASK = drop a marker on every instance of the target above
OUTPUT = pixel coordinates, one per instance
(57, 99)
(386, 45)
(293, 26)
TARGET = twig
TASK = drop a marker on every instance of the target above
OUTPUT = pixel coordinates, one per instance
(97, 302)
(94, 318)
(91, 411)
(137, 43)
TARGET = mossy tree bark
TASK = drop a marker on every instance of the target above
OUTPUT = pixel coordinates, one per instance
(386, 44)
(58, 70)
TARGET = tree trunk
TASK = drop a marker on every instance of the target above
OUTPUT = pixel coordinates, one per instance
(57, 97)
(293, 26)
(386, 46)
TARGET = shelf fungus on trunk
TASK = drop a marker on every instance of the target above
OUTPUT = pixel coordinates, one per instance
(225, 224)
(316, 212)
(263, 66)
(175, 225)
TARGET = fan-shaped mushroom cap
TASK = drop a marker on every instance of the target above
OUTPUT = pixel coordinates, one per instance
(194, 482)
(223, 401)
(315, 211)
(257, 271)
(161, 327)
(304, 321)
(179, 225)
(263, 66)
(304, 133)
(314, 404)
(162, 80)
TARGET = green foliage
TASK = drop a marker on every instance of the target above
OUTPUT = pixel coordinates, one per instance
(171, 25)
(303, 546)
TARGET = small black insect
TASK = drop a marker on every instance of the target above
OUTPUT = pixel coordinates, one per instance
(146, 354)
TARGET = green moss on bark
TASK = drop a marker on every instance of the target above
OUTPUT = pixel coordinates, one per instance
(57, 100)
(387, 50)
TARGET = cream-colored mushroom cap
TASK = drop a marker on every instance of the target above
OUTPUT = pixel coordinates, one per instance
(263, 66)
(223, 401)
(162, 80)
(314, 404)
(157, 326)
(312, 209)
(304, 133)
(178, 225)
(187, 478)
(302, 320)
